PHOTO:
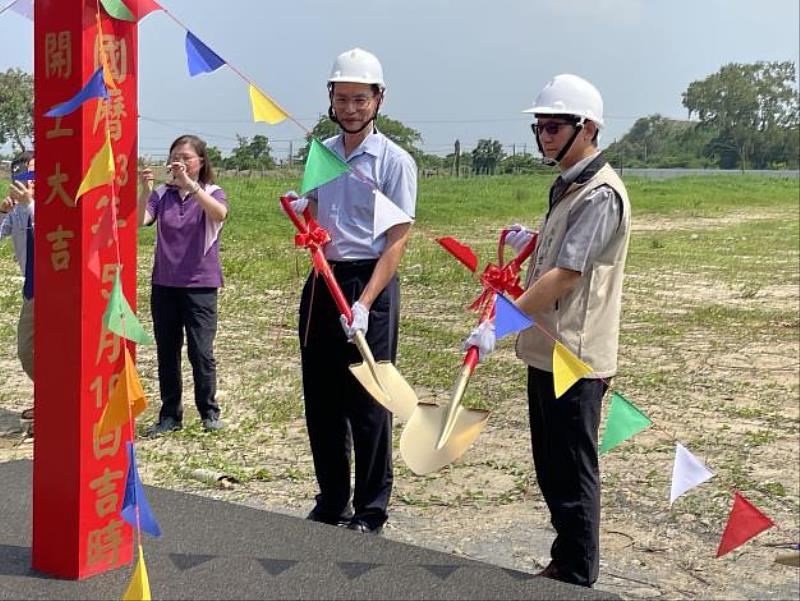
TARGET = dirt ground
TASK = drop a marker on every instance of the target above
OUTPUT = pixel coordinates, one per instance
(487, 505)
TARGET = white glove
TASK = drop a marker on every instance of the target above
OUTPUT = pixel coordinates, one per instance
(483, 337)
(360, 320)
(299, 204)
(518, 237)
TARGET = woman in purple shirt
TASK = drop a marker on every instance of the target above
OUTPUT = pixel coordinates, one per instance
(188, 212)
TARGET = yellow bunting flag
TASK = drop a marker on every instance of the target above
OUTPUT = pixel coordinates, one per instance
(567, 369)
(127, 393)
(264, 108)
(108, 76)
(101, 170)
(139, 587)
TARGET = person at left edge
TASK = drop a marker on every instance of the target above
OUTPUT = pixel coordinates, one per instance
(18, 220)
(188, 211)
(340, 414)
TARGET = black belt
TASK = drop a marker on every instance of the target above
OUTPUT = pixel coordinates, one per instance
(357, 264)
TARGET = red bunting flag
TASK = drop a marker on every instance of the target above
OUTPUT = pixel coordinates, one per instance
(142, 8)
(460, 251)
(744, 522)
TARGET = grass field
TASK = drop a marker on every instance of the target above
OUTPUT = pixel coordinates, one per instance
(709, 351)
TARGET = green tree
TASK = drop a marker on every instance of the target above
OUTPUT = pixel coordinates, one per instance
(16, 108)
(750, 108)
(408, 139)
(214, 156)
(250, 154)
(486, 156)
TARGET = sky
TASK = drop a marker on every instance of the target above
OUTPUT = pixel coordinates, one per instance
(455, 69)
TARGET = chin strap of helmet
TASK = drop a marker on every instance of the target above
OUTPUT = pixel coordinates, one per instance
(564, 149)
(332, 115)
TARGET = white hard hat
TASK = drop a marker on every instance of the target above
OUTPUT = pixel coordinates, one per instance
(568, 94)
(357, 66)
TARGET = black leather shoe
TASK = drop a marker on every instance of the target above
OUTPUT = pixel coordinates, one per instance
(212, 424)
(343, 520)
(364, 528)
(168, 424)
(551, 572)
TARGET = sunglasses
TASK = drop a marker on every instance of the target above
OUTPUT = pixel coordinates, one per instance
(551, 128)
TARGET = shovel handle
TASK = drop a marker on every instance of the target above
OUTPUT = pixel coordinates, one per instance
(327, 274)
(526, 252)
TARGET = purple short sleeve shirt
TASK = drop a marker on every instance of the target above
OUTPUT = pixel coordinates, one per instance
(187, 240)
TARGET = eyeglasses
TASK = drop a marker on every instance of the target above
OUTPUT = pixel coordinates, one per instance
(360, 102)
(181, 158)
(551, 128)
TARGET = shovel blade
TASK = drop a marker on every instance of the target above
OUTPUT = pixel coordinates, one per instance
(387, 386)
(420, 437)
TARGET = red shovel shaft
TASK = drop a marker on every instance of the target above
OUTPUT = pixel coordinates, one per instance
(327, 274)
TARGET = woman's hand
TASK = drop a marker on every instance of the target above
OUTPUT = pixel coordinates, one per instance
(148, 179)
(180, 176)
(21, 193)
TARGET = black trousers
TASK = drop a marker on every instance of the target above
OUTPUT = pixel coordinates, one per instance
(340, 415)
(193, 310)
(564, 441)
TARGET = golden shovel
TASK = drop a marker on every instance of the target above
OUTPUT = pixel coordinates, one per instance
(437, 435)
(379, 378)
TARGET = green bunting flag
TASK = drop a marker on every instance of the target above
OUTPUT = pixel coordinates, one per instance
(624, 420)
(118, 10)
(119, 317)
(322, 165)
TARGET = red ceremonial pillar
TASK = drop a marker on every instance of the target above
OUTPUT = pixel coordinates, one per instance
(79, 478)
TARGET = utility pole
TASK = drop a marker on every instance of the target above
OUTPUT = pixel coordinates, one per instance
(291, 154)
(457, 161)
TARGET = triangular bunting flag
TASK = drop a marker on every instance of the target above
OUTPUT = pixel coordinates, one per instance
(118, 10)
(127, 400)
(200, 58)
(277, 566)
(24, 8)
(142, 8)
(185, 561)
(101, 170)
(386, 214)
(119, 318)
(139, 587)
(460, 251)
(687, 473)
(135, 497)
(322, 166)
(440, 571)
(265, 108)
(567, 369)
(25, 176)
(355, 569)
(623, 421)
(94, 88)
(744, 522)
(106, 233)
(508, 319)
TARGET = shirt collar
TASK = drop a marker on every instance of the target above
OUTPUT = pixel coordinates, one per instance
(572, 173)
(370, 145)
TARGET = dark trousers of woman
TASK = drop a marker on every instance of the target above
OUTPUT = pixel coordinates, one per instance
(340, 414)
(564, 441)
(193, 310)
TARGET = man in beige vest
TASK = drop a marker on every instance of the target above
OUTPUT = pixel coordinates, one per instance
(573, 293)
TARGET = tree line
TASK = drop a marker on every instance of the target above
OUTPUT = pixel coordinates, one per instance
(747, 117)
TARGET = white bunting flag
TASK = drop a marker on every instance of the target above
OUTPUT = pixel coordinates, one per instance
(24, 8)
(386, 215)
(687, 472)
